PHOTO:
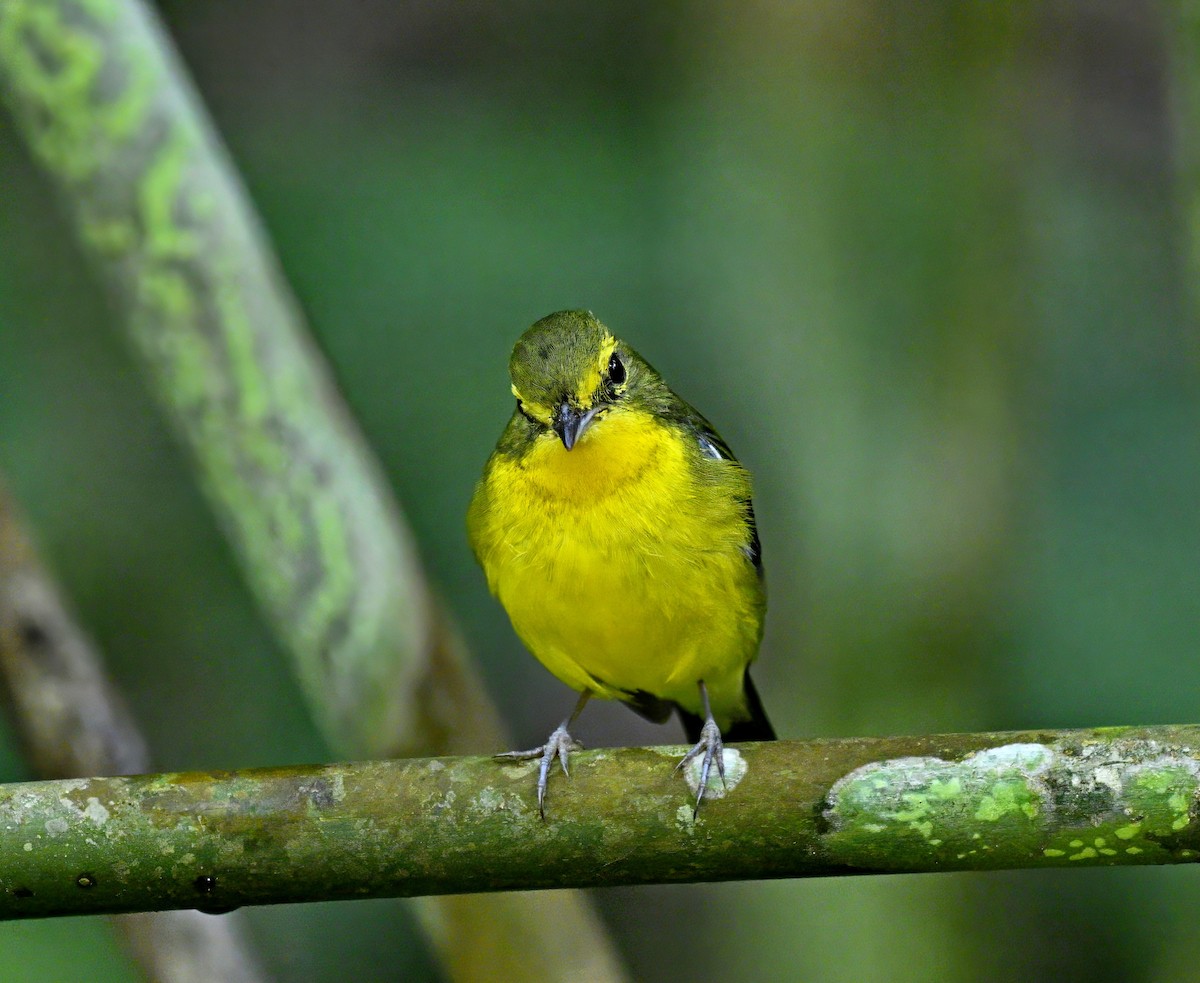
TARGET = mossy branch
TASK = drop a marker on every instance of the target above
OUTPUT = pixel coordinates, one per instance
(435, 826)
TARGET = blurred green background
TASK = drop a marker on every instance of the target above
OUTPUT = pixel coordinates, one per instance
(926, 267)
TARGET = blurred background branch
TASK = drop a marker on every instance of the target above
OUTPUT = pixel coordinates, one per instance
(72, 723)
(1113, 796)
(1183, 20)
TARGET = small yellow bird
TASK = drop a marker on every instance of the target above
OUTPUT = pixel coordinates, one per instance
(616, 528)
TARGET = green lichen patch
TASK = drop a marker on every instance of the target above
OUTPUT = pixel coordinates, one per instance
(1161, 795)
(1125, 800)
(1153, 788)
(953, 809)
(76, 104)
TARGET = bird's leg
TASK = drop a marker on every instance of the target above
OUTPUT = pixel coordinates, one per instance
(710, 745)
(559, 745)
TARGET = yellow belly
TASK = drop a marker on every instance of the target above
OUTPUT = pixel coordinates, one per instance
(621, 566)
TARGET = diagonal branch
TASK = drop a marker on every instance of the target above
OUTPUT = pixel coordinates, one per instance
(436, 826)
(70, 719)
(162, 217)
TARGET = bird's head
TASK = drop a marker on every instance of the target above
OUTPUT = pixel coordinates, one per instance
(568, 372)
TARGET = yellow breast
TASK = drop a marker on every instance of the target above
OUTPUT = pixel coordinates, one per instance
(621, 563)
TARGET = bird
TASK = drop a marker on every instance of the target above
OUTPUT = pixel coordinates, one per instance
(617, 530)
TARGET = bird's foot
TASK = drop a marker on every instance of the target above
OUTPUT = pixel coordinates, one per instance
(712, 748)
(559, 745)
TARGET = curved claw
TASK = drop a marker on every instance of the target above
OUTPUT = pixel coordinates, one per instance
(559, 745)
(713, 748)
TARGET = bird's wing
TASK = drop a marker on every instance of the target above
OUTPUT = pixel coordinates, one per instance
(713, 445)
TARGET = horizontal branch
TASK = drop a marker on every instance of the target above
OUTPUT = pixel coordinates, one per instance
(452, 825)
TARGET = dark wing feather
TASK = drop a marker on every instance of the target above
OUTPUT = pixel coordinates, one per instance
(713, 445)
(645, 705)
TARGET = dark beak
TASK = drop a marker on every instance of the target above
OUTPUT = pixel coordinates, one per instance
(570, 423)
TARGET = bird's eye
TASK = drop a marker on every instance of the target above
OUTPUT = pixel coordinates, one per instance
(616, 369)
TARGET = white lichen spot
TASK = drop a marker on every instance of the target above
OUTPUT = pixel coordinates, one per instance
(490, 800)
(1109, 775)
(935, 842)
(1023, 758)
(56, 826)
(436, 766)
(95, 811)
(188, 858)
(874, 827)
(69, 785)
(735, 771)
(69, 804)
(28, 847)
(685, 819)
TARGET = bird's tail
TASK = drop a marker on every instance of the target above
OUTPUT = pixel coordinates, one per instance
(756, 728)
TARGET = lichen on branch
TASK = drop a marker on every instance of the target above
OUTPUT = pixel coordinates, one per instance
(458, 825)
